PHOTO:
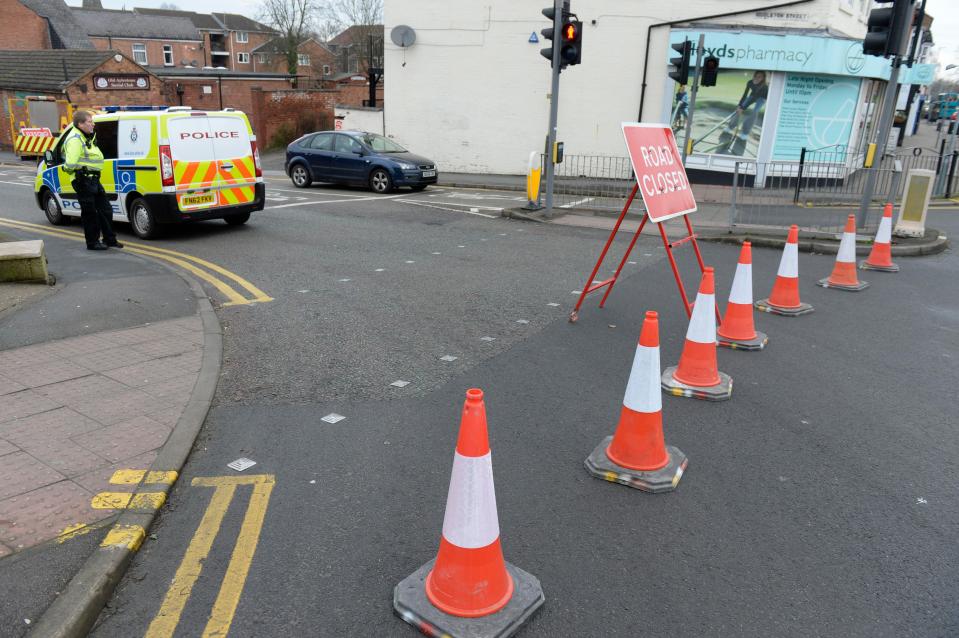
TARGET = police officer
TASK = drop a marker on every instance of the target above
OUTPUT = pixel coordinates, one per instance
(84, 161)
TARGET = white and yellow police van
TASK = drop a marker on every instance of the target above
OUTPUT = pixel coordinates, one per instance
(163, 165)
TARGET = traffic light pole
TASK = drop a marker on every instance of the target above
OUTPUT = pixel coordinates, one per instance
(553, 107)
(692, 99)
(882, 139)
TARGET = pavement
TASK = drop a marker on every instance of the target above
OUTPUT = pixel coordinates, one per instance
(95, 374)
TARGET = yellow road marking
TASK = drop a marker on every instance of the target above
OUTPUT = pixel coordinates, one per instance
(229, 597)
(259, 295)
(72, 531)
(235, 298)
(129, 536)
(168, 617)
(133, 477)
(128, 500)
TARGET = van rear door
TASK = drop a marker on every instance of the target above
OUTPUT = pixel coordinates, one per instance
(194, 161)
(234, 155)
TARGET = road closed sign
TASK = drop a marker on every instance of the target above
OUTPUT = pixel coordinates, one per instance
(659, 171)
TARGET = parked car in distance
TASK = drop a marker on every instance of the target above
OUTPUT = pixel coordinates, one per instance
(356, 157)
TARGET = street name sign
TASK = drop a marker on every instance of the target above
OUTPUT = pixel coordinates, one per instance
(659, 171)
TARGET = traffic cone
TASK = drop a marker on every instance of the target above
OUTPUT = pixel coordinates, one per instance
(469, 590)
(784, 299)
(880, 257)
(637, 455)
(844, 275)
(738, 330)
(697, 374)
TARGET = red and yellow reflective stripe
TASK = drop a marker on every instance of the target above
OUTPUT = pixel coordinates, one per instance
(234, 196)
(33, 144)
(186, 174)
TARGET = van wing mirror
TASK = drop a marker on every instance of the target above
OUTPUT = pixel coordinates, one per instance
(48, 157)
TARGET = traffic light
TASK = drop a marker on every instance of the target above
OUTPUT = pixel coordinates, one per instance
(548, 33)
(710, 71)
(681, 73)
(887, 28)
(571, 49)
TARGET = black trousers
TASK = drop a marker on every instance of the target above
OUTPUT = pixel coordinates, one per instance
(95, 211)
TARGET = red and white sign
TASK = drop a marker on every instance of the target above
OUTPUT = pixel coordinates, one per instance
(338, 124)
(36, 132)
(659, 171)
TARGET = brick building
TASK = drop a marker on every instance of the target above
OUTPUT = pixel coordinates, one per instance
(314, 60)
(358, 47)
(40, 24)
(219, 88)
(84, 78)
(147, 39)
(227, 39)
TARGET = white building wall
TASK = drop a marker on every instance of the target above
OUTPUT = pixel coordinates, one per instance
(473, 94)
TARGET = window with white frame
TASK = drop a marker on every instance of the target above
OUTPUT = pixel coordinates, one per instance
(242, 36)
(326, 69)
(263, 58)
(167, 55)
(243, 58)
(140, 53)
(303, 59)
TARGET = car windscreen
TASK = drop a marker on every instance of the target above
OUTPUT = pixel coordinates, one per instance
(382, 144)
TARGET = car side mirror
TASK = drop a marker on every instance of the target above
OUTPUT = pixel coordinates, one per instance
(48, 157)
(360, 152)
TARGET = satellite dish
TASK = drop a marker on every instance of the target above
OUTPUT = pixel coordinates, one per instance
(403, 36)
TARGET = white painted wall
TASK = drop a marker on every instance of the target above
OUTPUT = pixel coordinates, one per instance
(472, 92)
(360, 119)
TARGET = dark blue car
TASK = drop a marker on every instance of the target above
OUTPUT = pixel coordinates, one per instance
(355, 157)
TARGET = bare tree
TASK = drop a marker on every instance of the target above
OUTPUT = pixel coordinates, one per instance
(294, 20)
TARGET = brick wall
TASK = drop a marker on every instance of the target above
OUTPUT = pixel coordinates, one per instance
(21, 28)
(355, 93)
(83, 92)
(279, 117)
(182, 51)
(254, 40)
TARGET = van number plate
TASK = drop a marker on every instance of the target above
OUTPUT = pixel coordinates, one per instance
(197, 200)
(429, 173)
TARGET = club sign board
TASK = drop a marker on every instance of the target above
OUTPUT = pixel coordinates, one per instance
(659, 171)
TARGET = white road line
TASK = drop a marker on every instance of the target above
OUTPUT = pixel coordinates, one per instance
(450, 210)
(17, 183)
(334, 201)
(305, 193)
(577, 203)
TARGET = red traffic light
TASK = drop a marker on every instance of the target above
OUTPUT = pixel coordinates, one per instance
(570, 32)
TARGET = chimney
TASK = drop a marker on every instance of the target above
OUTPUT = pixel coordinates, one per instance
(92, 4)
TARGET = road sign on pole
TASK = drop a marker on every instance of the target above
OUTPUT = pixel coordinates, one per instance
(659, 171)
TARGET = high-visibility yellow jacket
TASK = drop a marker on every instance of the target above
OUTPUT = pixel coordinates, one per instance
(79, 153)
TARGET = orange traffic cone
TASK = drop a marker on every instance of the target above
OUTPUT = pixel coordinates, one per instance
(469, 589)
(880, 257)
(637, 455)
(844, 276)
(697, 374)
(738, 331)
(784, 299)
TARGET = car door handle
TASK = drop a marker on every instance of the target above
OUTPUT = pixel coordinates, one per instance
(226, 166)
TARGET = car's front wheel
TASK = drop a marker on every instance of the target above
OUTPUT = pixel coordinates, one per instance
(380, 181)
(51, 208)
(142, 220)
(300, 176)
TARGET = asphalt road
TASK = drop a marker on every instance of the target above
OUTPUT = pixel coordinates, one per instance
(819, 501)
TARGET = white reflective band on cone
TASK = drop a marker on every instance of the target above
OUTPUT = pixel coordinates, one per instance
(702, 325)
(742, 291)
(884, 236)
(789, 264)
(470, 521)
(847, 248)
(643, 392)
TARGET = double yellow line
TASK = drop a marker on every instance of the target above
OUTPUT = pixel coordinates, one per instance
(234, 295)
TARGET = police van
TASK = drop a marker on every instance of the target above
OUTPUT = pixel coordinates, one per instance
(163, 165)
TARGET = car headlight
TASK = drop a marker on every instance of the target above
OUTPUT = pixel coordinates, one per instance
(406, 166)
